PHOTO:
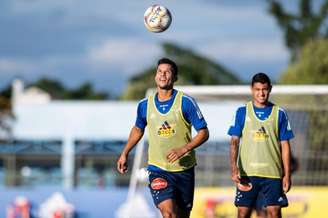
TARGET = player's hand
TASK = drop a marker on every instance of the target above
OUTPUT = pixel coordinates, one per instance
(122, 165)
(235, 176)
(286, 183)
(175, 154)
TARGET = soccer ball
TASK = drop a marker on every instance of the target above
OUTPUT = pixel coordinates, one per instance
(157, 18)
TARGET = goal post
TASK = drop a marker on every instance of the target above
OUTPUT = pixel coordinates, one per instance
(307, 109)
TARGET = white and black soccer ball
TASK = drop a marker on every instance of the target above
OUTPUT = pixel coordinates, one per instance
(157, 18)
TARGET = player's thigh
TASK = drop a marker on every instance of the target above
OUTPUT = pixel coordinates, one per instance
(161, 187)
(273, 193)
(184, 190)
(247, 197)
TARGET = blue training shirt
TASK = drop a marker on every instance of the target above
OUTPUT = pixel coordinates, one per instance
(190, 111)
(285, 131)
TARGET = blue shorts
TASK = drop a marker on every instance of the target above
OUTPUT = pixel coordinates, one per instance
(261, 202)
(263, 192)
(178, 186)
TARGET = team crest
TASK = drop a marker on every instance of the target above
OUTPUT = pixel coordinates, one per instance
(166, 130)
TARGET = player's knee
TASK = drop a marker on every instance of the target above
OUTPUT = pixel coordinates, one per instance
(168, 214)
(274, 212)
(244, 212)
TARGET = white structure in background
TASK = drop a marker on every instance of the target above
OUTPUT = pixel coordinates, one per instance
(56, 206)
(137, 207)
(32, 95)
(40, 118)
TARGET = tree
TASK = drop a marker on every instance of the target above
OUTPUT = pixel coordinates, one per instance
(300, 27)
(312, 66)
(5, 113)
(85, 91)
(194, 69)
(53, 87)
(58, 91)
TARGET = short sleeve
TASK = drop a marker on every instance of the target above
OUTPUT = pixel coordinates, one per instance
(238, 121)
(141, 121)
(192, 113)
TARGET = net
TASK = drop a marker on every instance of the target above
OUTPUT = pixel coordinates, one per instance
(307, 110)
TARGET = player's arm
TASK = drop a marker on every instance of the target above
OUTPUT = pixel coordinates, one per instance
(134, 137)
(286, 154)
(234, 147)
(285, 134)
(201, 137)
(235, 131)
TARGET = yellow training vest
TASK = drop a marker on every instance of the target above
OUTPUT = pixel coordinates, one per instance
(260, 149)
(166, 132)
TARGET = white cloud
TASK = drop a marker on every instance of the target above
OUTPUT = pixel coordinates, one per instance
(14, 65)
(80, 40)
(27, 6)
(129, 54)
(246, 50)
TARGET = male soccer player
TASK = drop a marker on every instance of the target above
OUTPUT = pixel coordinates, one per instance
(260, 138)
(168, 115)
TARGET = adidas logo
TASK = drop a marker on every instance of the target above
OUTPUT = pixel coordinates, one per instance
(260, 134)
(166, 130)
(261, 130)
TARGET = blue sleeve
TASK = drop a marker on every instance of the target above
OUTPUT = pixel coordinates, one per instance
(141, 121)
(238, 122)
(285, 130)
(192, 113)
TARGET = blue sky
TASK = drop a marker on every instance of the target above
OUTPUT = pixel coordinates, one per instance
(105, 41)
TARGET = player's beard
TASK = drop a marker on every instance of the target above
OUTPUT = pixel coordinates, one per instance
(166, 87)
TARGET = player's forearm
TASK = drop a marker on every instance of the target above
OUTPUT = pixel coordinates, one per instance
(286, 153)
(201, 137)
(134, 137)
(234, 144)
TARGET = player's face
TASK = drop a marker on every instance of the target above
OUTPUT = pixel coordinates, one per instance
(260, 93)
(164, 76)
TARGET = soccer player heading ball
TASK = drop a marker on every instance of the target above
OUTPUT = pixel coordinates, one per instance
(169, 116)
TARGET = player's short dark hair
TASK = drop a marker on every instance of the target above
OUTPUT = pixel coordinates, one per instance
(173, 65)
(261, 78)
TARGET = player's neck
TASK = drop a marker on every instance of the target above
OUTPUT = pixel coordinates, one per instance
(164, 94)
(260, 105)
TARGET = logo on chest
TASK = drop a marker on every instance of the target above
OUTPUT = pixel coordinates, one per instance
(166, 130)
(260, 134)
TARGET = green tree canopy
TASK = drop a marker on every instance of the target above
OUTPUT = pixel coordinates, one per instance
(194, 69)
(5, 111)
(302, 26)
(312, 66)
(58, 91)
(55, 88)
